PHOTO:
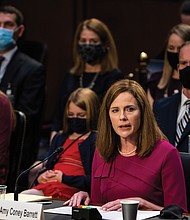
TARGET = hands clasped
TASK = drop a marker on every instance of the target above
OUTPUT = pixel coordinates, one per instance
(50, 176)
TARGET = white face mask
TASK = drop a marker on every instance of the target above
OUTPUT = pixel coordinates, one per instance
(6, 38)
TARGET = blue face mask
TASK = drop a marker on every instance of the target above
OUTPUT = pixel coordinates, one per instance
(6, 38)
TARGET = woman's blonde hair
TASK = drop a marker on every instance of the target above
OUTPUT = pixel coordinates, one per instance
(110, 59)
(149, 133)
(183, 31)
(87, 100)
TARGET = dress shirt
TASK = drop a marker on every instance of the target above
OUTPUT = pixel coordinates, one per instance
(182, 107)
(6, 61)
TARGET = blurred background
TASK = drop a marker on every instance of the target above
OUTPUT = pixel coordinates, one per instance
(137, 25)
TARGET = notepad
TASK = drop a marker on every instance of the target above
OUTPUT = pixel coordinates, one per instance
(27, 197)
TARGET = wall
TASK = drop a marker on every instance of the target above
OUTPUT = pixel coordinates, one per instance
(137, 25)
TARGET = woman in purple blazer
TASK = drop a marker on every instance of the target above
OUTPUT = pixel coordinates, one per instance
(133, 159)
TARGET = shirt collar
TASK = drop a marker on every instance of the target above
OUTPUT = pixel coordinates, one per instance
(183, 99)
(8, 55)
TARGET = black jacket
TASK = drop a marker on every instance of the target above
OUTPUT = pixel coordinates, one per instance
(166, 113)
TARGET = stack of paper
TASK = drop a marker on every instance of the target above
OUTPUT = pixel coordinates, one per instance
(27, 197)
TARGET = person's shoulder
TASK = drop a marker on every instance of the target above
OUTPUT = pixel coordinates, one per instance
(164, 147)
(26, 59)
(166, 102)
(155, 77)
(4, 101)
(91, 138)
(59, 138)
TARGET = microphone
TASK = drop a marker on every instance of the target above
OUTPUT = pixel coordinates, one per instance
(56, 152)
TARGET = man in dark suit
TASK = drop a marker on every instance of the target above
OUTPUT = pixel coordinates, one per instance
(170, 111)
(22, 79)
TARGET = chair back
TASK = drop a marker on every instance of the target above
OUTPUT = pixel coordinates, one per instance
(35, 49)
(16, 148)
(185, 158)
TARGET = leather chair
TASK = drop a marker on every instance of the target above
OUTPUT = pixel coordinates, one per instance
(16, 148)
(185, 158)
(35, 49)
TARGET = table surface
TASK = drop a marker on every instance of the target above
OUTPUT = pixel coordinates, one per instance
(51, 216)
(57, 203)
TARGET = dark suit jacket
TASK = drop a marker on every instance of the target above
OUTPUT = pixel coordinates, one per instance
(27, 79)
(166, 113)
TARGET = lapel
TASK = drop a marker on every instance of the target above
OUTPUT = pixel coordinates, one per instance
(172, 116)
(12, 69)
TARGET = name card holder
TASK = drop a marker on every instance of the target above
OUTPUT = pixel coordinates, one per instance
(20, 210)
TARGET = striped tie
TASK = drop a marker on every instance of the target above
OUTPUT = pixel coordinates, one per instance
(183, 122)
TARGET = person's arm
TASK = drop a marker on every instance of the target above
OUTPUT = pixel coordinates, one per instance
(173, 183)
(6, 126)
(32, 93)
(150, 99)
(78, 198)
(143, 205)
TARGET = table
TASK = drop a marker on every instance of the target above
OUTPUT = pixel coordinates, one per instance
(57, 203)
(52, 216)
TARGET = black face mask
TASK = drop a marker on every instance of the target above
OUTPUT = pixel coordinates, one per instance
(173, 59)
(77, 125)
(184, 76)
(91, 53)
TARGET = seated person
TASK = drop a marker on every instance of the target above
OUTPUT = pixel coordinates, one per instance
(166, 83)
(169, 112)
(6, 127)
(133, 158)
(71, 171)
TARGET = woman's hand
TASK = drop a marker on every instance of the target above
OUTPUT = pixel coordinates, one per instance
(146, 205)
(77, 198)
(113, 205)
(48, 176)
(143, 205)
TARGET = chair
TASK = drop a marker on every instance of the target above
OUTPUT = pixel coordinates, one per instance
(35, 49)
(185, 158)
(16, 147)
(154, 65)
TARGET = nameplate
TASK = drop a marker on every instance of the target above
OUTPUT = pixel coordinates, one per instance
(20, 210)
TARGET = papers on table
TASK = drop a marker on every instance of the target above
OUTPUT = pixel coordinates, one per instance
(27, 197)
(111, 215)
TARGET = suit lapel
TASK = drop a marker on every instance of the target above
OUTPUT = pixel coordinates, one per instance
(11, 70)
(172, 115)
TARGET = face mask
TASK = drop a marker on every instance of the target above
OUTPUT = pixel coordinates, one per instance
(91, 53)
(184, 76)
(77, 125)
(6, 38)
(173, 59)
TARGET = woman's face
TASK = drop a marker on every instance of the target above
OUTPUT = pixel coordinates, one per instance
(125, 116)
(75, 112)
(174, 43)
(89, 37)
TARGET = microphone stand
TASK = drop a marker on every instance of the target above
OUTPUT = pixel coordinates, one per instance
(57, 151)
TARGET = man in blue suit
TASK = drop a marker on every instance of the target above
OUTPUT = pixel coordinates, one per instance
(169, 111)
(22, 79)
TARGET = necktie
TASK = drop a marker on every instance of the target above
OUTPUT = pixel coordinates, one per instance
(183, 122)
(1, 60)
